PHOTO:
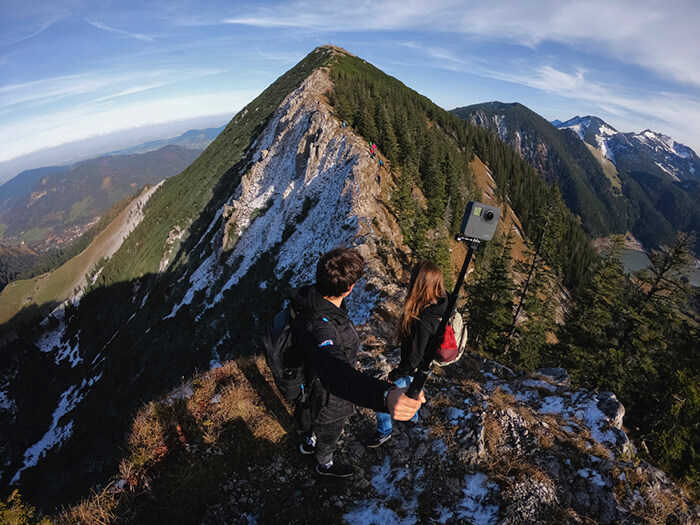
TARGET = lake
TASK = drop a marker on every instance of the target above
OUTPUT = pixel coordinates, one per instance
(635, 260)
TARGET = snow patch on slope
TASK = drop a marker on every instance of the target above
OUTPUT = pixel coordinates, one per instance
(52, 341)
(387, 482)
(57, 433)
(7, 404)
(474, 507)
(573, 406)
(313, 186)
(667, 171)
(604, 148)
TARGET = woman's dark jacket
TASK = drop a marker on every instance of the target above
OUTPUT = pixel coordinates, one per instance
(329, 344)
(413, 346)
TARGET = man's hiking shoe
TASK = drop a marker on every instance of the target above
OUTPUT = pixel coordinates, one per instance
(306, 448)
(336, 470)
(377, 440)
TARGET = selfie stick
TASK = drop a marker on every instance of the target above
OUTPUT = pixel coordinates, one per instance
(424, 369)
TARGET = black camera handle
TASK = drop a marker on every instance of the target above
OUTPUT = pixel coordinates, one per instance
(425, 367)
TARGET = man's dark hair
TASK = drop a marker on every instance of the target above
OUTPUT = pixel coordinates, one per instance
(338, 270)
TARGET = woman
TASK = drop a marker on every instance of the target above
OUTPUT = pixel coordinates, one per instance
(419, 320)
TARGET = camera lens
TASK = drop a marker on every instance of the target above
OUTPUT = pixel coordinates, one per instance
(489, 215)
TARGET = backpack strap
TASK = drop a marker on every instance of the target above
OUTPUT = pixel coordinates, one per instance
(308, 314)
(332, 325)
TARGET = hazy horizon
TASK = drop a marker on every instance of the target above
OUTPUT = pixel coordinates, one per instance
(73, 72)
(71, 153)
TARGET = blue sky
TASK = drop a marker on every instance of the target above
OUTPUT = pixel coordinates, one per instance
(81, 76)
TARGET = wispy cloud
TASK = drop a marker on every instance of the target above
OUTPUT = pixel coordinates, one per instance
(124, 82)
(647, 33)
(29, 32)
(21, 21)
(132, 91)
(120, 32)
(356, 16)
(633, 105)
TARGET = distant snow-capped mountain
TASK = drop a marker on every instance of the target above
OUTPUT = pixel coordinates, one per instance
(647, 151)
(644, 183)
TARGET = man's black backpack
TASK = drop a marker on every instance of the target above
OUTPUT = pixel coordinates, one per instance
(282, 357)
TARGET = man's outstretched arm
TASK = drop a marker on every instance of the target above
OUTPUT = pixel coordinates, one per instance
(344, 381)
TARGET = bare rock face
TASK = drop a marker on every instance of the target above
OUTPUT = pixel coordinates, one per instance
(312, 186)
(556, 376)
(612, 408)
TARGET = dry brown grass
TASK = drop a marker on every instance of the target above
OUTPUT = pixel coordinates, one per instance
(469, 387)
(583, 440)
(233, 414)
(658, 506)
(501, 400)
(241, 400)
(493, 434)
(508, 468)
(439, 427)
(97, 509)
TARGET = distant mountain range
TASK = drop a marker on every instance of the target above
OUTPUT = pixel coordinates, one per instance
(647, 151)
(197, 139)
(645, 183)
(40, 206)
(44, 204)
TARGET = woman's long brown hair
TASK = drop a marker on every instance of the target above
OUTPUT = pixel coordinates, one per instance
(425, 287)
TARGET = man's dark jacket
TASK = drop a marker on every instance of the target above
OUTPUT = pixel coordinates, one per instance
(413, 347)
(329, 344)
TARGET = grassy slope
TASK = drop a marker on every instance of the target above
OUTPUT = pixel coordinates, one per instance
(608, 167)
(59, 285)
(509, 220)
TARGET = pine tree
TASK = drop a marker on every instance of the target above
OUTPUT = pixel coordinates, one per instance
(490, 298)
(593, 325)
(389, 144)
(658, 295)
(531, 335)
(433, 178)
(676, 436)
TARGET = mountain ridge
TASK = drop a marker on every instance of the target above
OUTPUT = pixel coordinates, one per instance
(670, 158)
(197, 139)
(584, 186)
(119, 297)
(39, 205)
(608, 187)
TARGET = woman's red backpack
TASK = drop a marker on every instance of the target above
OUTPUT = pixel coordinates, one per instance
(454, 341)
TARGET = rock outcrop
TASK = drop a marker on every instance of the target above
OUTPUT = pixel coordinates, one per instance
(492, 446)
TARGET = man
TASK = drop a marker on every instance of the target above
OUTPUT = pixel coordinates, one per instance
(329, 344)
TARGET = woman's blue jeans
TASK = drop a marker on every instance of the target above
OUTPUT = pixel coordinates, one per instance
(383, 419)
